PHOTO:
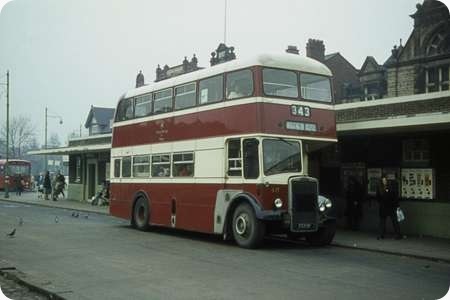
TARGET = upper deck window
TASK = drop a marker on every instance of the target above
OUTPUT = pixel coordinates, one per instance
(162, 101)
(143, 105)
(281, 83)
(185, 96)
(211, 90)
(315, 87)
(125, 110)
(239, 84)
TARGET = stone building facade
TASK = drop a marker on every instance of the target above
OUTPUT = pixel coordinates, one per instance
(404, 132)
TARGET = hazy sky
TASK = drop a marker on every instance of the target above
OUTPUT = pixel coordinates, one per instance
(70, 54)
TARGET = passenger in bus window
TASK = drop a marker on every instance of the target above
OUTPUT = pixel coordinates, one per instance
(235, 91)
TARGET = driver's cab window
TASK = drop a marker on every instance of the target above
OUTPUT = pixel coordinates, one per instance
(234, 158)
(251, 158)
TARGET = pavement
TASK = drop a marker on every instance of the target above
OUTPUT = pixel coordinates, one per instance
(411, 246)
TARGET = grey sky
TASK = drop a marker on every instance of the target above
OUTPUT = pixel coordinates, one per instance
(69, 54)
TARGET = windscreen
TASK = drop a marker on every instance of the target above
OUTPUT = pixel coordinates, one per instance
(281, 156)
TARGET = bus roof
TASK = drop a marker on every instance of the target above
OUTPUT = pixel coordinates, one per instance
(280, 60)
(3, 161)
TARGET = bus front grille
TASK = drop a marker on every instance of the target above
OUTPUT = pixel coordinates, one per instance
(303, 204)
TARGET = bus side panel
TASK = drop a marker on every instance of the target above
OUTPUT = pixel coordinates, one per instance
(119, 206)
(195, 206)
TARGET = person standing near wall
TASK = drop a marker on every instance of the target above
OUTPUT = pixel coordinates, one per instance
(47, 185)
(387, 196)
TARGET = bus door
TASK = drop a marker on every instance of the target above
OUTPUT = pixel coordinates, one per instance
(243, 162)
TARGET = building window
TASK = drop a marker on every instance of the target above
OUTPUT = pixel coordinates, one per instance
(117, 168)
(371, 91)
(78, 169)
(416, 150)
(211, 90)
(185, 96)
(161, 165)
(280, 83)
(234, 158)
(143, 106)
(163, 101)
(437, 79)
(126, 167)
(183, 164)
(141, 166)
(315, 87)
(239, 84)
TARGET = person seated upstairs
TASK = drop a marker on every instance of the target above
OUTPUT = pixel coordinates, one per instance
(235, 91)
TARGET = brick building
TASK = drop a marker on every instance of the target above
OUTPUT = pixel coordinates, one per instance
(404, 132)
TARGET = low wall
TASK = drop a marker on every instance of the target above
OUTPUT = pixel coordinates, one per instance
(422, 218)
(75, 191)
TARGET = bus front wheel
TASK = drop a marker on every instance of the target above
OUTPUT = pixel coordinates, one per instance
(141, 214)
(248, 231)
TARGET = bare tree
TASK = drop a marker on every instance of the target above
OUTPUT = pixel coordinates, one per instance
(54, 142)
(22, 136)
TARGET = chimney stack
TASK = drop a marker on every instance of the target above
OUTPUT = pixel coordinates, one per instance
(292, 49)
(140, 79)
(315, 49)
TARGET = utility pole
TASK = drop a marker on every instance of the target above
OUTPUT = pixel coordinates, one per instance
(45, 140)
(7, 137)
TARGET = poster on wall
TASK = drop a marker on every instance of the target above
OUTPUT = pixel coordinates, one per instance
(348, 170)
(417, 184)
(373, 179)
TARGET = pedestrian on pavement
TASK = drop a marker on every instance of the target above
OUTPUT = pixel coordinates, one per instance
(47, 185)
(19, 184)
(355, 194)
(387, 196)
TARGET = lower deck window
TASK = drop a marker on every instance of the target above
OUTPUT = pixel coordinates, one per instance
(126, 167)
(141, 166)
(161, 165)
(183, 164)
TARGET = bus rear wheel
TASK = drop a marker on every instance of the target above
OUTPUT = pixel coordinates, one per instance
(248, 231)
(141, 214)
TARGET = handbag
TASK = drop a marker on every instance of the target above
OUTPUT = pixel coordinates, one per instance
(400, 215)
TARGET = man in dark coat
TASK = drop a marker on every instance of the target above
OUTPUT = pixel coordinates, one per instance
(47, 185)
(387, 196)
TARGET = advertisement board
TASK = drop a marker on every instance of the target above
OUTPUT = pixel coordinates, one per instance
(418, 184)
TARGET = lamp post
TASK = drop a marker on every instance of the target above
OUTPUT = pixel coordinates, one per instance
(7, 138)
(46, 122)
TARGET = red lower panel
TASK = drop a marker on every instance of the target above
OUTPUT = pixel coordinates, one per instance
(194, 203)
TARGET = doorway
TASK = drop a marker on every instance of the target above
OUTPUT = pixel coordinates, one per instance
(91, 180)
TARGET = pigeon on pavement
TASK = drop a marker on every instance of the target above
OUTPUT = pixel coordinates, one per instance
(12, 233)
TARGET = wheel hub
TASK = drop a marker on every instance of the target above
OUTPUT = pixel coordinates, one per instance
(241, 224)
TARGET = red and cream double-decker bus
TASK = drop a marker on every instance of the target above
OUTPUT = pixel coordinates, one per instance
(16, 167)
(224, 150)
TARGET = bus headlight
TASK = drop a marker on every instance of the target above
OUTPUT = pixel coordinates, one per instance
(278, 203)
(324, 203)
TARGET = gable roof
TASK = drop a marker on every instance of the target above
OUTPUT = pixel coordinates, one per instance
(370, 61)
(102, 115)
(331, 56)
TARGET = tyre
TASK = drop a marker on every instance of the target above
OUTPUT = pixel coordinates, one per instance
(324, 236)
(141, 214)
(248, 231)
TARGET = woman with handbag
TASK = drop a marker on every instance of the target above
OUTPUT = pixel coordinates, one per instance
(387, 196)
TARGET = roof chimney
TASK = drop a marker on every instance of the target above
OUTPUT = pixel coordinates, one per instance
(140, 79)
(315, 49)
(292, 49)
